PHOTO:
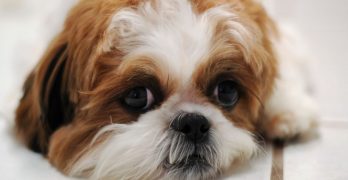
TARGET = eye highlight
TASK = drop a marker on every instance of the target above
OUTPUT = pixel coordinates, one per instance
(226, 93)
(139, 98)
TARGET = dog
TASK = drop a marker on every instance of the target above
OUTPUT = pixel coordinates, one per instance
(161, 89)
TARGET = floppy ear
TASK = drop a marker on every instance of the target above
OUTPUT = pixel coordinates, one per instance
(45, 104)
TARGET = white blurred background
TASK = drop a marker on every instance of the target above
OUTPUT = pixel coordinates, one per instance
(27, 26)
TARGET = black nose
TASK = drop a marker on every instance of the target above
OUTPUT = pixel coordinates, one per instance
(193, 125)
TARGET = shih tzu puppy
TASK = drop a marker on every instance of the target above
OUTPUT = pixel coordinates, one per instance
(161, 89)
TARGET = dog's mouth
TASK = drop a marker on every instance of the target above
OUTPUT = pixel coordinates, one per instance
(195, 159)
(192, 161)
(193, 164)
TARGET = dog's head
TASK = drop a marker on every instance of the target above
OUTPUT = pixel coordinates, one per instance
(154, 88)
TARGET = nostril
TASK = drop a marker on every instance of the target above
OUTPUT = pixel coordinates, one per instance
(205, 128)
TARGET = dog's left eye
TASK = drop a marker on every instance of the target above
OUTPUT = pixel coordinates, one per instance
(139, 98)
(226, 93)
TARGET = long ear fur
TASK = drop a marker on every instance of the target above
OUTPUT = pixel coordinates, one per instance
(45, 105)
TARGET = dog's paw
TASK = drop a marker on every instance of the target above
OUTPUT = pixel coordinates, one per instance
(291, 113)
(289, 125)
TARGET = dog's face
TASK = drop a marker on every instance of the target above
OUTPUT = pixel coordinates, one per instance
(153, 89)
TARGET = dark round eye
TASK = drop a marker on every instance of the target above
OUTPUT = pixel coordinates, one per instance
(226, 93)
(139, 98)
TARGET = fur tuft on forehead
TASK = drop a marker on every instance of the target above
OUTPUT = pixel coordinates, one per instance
(177, 32)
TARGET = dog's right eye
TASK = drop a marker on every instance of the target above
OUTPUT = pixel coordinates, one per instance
(139, 98)
(226, 93)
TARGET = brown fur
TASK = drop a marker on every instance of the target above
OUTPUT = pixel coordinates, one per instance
(88, 81)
